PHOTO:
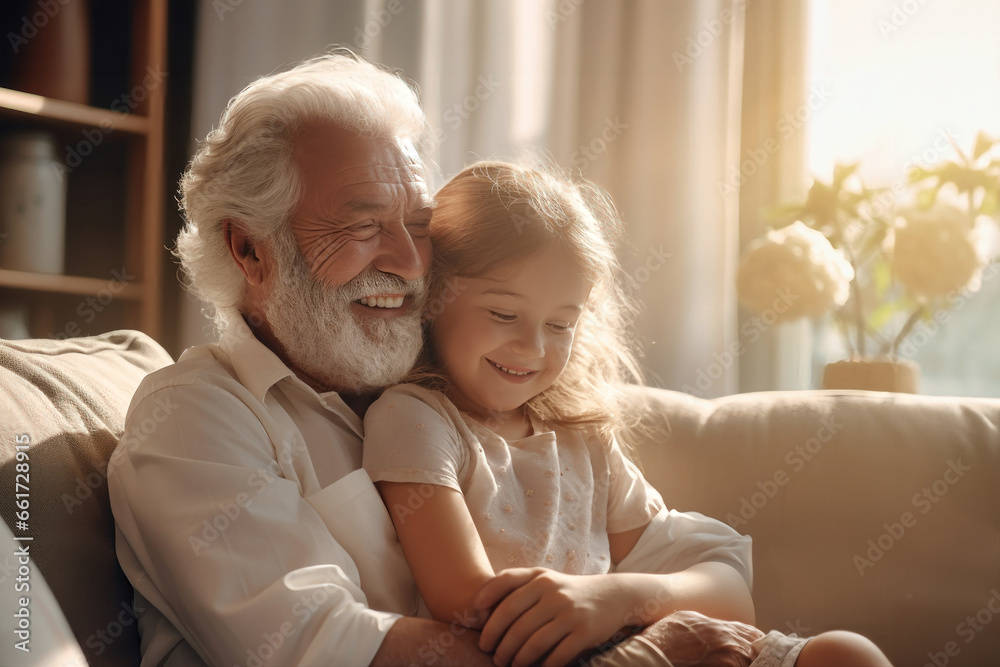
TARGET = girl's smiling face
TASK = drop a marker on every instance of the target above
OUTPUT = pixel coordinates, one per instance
(507, 335)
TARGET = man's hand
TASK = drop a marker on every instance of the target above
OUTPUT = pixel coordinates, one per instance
(688, 638)
(541, 610)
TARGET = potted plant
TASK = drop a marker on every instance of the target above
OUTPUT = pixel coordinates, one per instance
(879, 260)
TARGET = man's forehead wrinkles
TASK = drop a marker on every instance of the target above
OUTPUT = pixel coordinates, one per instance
(411, 170)
(380, 196)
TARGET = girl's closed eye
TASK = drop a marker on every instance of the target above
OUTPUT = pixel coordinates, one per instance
(562, 327)
(502, 317)
(419, 228)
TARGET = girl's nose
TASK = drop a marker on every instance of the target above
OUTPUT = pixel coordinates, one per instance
(530, 342)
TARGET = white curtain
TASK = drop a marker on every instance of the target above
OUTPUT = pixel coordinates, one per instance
(648, 103)
(773, 171)
(641, 96)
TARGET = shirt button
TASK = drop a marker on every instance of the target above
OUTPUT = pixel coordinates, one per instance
(572, 526)
(508, 509)
(510, 559)
(420, 427)
(549, 558)
(529, 493)
(568, 496)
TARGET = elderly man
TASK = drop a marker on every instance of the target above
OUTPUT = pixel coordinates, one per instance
(244, 520)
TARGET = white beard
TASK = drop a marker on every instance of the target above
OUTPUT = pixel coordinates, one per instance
(320, 335)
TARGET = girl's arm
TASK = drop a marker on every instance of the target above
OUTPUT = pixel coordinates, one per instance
(538, 610)
(443, 548)
(711, 588)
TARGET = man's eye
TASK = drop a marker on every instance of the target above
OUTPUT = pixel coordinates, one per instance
(502, 317)
(366, 228)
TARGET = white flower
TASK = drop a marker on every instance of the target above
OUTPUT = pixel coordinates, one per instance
(793, 272)
(935, 252)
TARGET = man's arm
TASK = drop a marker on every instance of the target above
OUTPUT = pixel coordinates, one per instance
(222, 542)
(427, 642)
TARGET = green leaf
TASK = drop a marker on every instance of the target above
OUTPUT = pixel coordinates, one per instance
(881, 316)
(881, 276)
(842, 172)
(983, 144)
(926, 198)
(991, 202)
(918, 174)
(785, 214)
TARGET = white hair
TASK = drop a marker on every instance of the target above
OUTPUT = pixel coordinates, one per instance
(243, 171)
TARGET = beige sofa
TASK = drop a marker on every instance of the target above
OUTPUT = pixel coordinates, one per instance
(874, 512)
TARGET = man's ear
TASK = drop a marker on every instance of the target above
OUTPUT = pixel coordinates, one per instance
(243, 250)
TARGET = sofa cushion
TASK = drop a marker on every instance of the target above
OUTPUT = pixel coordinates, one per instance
(869, 511)
(68, 399)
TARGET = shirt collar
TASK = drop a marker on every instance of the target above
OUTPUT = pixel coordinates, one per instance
(258, 369)
(256, 366)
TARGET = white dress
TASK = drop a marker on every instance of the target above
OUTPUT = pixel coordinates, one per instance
(549, 499)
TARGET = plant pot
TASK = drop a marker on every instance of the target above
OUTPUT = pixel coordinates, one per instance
(879, 374)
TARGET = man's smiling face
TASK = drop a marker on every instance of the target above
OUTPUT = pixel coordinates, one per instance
(364, 203)
(346, 299)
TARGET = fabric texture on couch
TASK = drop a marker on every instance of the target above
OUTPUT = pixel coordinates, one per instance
(873, 512)
(878, 513)
(70, 397)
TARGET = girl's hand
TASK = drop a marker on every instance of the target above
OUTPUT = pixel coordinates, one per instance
(541, 610)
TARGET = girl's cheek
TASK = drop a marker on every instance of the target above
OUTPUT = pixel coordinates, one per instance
(563, 346)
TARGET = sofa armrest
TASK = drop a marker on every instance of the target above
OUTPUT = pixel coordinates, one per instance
(67, 399)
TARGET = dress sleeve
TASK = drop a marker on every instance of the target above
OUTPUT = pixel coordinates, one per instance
(674, 541)
(212, 535)
(411, 437)
(632, 501)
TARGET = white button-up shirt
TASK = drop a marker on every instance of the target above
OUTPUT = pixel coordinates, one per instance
(244, 520)
(253, 536)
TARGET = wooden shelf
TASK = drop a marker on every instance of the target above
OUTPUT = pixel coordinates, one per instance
(138, 157)
(27, 105)
(50, 282)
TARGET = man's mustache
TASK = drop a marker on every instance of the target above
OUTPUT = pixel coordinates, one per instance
(371, 281)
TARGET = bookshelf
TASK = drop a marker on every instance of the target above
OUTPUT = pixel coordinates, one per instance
(114, 223)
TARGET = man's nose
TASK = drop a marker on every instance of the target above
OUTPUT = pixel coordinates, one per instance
(403, 255)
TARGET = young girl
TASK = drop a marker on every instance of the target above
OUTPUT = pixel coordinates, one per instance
(503, 450)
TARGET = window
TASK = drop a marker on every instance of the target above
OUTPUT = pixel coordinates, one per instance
(901, 77)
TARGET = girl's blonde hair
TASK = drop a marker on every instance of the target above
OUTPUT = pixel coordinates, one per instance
(493, 213)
